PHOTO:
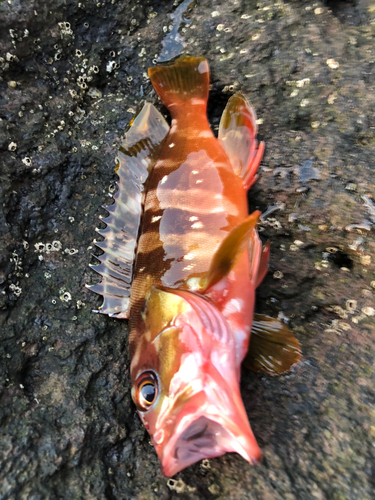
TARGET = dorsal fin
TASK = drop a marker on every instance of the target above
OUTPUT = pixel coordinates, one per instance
(237, 134)
(137, 155)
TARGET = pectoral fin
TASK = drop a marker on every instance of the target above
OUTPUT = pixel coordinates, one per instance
(263, 263)
(273, 348)
(229, 251)
(237, 134)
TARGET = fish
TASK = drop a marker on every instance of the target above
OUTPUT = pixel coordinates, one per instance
(181, 261)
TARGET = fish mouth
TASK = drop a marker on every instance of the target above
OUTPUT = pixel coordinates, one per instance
(198, 437)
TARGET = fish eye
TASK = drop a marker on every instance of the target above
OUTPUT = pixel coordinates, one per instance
(146, 390)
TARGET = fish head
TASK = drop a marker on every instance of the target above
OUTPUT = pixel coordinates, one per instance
(185, 382)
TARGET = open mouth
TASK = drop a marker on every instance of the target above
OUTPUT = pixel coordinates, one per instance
(206, 438)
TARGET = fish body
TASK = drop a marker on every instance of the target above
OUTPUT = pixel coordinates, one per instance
(182, 260)
(193, 201)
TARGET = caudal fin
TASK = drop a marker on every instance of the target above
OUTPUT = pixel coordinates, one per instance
(187, 78)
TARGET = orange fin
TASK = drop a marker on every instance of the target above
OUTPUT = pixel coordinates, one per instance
(255, 255)
(187, 78)
(137, 155)
(229, 251)
(273, 348)
(263, 264)
(237, 134)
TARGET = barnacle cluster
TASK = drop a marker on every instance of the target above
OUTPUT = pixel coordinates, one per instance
(16, 289)
(55, 246)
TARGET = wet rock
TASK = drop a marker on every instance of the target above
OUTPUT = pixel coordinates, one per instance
(68, 426)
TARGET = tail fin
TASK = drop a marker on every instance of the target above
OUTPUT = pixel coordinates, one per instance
(187, 78)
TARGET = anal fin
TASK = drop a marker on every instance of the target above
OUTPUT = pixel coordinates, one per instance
(237, 134)
(137, 156)
(273, 348)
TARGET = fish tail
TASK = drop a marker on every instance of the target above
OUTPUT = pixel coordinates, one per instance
(184, 80)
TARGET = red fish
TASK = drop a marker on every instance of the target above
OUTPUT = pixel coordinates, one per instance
(182, 260)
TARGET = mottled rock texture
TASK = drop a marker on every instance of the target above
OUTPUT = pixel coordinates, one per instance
(72, 76)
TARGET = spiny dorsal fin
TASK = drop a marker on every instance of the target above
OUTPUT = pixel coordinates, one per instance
(273, 348)
(229, 251)
(237, 134)
(137, 155)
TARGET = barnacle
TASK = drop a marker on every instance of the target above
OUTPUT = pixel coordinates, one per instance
(39, 247)
(65, 297)
(15, 289)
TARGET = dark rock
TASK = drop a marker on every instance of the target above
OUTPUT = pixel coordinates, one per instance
(68, 427)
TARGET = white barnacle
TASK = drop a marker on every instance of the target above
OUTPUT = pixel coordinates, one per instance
(331, 63)
(189, 256)
(110, 66)
(193, 218)
(56, 245)
(39, 247)
(368, 311)
(65, 297)
(197, 225)
(155, 218)
(164, 179)
(27, 161)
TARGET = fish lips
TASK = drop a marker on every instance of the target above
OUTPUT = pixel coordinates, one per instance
(202, 428)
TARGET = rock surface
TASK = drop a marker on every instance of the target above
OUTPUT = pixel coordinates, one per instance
(72, 77)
